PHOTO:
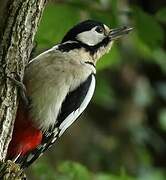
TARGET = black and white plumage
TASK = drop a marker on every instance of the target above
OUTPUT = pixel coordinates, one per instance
(61, 81)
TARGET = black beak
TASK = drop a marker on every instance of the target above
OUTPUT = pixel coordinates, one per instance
(119, 32)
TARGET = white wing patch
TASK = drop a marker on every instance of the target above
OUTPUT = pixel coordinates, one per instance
(74, 115)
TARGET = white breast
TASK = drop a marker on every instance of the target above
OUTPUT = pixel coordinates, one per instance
(48, 79)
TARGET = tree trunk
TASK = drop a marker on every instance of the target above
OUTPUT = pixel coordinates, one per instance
(18, 24)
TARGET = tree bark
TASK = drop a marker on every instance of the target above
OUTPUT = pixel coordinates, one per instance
(18, 24)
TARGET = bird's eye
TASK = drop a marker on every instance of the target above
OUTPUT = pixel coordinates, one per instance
(99, 29)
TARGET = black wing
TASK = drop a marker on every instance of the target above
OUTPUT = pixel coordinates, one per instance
(74, 100)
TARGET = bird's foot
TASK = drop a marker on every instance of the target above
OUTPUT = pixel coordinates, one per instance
(22, 88)
(12, 171)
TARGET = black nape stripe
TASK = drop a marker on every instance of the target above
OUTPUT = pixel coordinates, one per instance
(66, 47)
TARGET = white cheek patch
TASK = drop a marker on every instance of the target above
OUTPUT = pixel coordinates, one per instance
(90, 37)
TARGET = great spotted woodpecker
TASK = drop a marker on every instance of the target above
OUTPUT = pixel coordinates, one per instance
(59, 84)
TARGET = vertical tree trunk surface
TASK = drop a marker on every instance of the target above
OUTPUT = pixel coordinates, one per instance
(18, 24)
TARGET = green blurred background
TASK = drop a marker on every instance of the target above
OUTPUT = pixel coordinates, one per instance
(122, 133)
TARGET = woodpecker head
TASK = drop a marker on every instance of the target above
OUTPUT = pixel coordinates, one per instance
(95, 37)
